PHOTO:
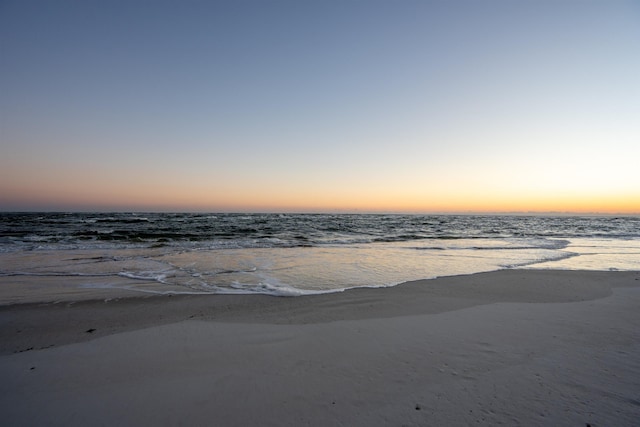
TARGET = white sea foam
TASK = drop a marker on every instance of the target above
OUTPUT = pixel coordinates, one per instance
(145, 275)
(542, 259)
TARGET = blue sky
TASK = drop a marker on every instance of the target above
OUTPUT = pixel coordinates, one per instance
(346, 105)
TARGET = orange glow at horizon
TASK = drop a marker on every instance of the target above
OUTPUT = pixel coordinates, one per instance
(406, 189)
(185, 198)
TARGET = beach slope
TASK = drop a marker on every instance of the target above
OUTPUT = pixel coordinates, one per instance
(514, 347)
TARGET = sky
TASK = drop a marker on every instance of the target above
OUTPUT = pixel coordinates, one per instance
(320, 106)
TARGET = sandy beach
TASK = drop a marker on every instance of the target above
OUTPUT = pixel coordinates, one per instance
(512, 347)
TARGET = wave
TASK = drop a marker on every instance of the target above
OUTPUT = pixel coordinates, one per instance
(52, 274)
(133, 220)
(154, 276)
(25, 231)
(556, 257)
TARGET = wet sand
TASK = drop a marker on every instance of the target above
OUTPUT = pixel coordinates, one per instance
(518, 347)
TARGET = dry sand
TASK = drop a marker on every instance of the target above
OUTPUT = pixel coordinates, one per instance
(513, 347)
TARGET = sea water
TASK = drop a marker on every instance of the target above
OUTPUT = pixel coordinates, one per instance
(290, 254)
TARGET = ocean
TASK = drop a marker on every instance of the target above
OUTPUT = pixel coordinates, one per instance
(58, 256)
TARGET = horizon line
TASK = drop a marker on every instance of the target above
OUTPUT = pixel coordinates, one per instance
(319, 212)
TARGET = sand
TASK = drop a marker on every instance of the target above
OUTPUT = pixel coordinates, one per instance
(513, 347)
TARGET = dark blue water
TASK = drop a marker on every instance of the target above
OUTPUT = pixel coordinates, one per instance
(32, 231)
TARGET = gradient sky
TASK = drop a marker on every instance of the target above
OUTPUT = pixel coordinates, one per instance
(384, 106)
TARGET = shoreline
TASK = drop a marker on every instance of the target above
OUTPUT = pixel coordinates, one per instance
(43, 325)
(525, 347)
